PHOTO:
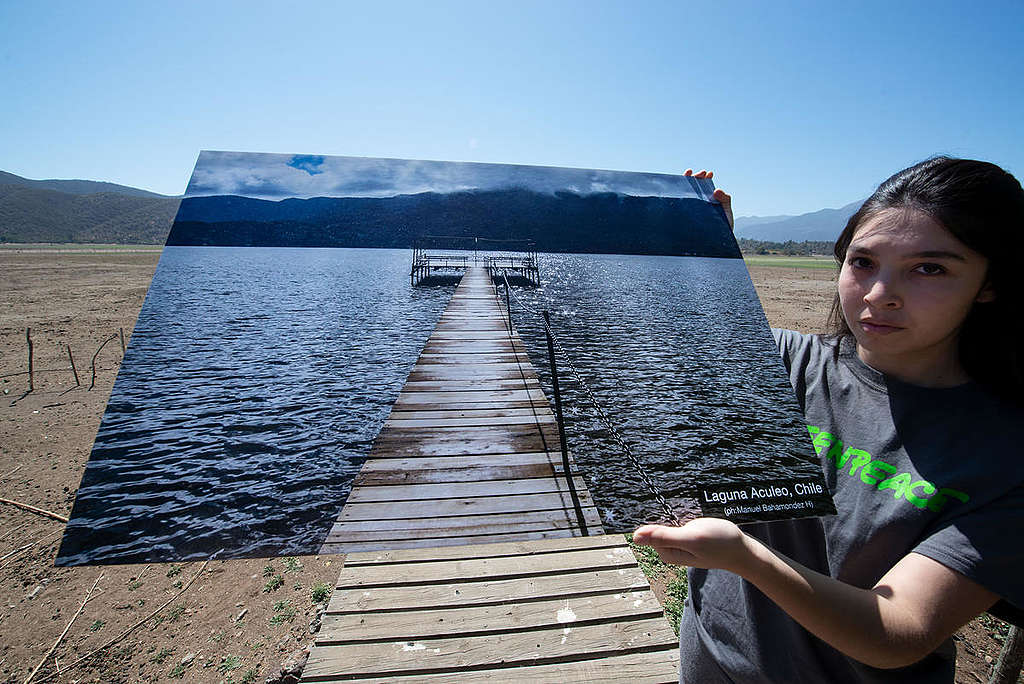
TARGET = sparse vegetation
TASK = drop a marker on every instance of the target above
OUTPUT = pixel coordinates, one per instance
(673, 577)
(283, 612)
(229, 663)
(292, 564)
(268, 570)
(273, 584)
(250, 675)
(321, 592)
(96, 626)
(163, 655)
(178, 672)
(174, 571)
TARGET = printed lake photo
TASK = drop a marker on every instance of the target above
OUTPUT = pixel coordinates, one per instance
(327, 361)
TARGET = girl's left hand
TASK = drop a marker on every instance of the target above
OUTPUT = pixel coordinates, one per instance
(721, 196)
(700, 543)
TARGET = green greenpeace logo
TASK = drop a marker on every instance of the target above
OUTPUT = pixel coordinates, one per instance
(881, 475)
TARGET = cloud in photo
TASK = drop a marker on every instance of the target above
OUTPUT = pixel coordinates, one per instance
(282, 176)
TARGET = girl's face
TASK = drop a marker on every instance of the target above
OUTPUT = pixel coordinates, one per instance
(906, 286)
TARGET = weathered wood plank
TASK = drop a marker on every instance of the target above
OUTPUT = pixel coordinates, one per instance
(427, 520)
(470, 421)
(427, 491)
(533, 548)
(656, 667)
(465, 461)
(401, 414)
(530, 647)
(481, 527)
(350, 547)
(501, 590)
(479, 569)
(484, 505)
(451, 622)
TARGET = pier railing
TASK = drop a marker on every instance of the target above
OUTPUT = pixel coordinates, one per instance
(438, 259)
(553, 342)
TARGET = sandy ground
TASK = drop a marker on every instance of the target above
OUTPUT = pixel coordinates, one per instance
(227, 626)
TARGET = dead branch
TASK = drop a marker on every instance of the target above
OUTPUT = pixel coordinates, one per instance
(135, 626)
(65, 632)
(33, 509)
(73, 369)
(109, 339)
(22, 550)
(31, 381)
(16, 469)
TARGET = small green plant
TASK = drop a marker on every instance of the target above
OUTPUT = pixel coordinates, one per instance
(163, 655)
(176, 612)
(283, 612)
(292, 564)
(178, 672)
(229, 663)
(134, 584)
(273, 584)
(177, 584)
(257, 645)
(297, 586)
(217, 637)
(268, 570)
(656, 569)
(321, 592)
(250, 675)
(96, 626)
(174, 571)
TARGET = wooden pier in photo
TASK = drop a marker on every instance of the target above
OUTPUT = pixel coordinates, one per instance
(467, 558)
(519, 266)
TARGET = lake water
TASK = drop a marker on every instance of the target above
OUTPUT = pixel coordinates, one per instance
(257, 379)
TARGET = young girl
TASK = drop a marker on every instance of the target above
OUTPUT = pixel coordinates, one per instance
(914, 405)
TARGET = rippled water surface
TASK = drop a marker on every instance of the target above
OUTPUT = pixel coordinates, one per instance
(257, 378)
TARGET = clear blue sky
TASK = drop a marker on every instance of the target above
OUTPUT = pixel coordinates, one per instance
(797, 106)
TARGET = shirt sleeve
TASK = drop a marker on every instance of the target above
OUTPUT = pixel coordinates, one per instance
(983, 545)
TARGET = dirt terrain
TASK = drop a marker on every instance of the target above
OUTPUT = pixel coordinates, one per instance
(225, 621)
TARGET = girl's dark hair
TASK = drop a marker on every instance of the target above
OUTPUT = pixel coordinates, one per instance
(982, 206)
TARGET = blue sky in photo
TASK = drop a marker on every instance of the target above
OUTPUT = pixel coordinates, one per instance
(280, 176)
(795, 105)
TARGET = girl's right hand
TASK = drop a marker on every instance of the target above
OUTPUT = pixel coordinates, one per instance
(720, 195)
(700, 543)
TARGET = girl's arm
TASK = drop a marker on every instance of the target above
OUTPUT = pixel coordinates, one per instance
(916, 606)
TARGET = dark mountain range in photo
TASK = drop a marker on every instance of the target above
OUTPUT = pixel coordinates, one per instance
(556, 222)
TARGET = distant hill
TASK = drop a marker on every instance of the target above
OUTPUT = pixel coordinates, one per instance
(561, 222)
(824, 224)
(75, 187)
(82, 211)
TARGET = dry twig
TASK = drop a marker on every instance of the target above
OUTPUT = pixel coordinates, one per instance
(135, 626)
(65, 632)
(33, 509)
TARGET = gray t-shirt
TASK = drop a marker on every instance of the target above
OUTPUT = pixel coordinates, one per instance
(935, 471)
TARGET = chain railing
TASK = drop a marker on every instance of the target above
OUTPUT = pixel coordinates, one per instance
(638, 466)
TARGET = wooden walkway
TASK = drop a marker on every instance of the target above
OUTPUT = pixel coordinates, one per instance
(470, 452)
(470, 455)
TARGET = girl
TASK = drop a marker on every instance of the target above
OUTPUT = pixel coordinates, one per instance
(913, 403)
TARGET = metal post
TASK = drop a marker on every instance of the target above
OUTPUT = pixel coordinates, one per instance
(561, 429)
(508, 306)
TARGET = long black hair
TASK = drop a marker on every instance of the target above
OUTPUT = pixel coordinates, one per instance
(983, 207)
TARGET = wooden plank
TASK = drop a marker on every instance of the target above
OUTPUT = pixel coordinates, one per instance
(483, 505)
(466, 461)
(480, 528)
(601, 541)
(655, 667)
(498, 591)
(397, 413)
(352, 546)
(427, 519)
(427, 491)
(432, 655)
(449, 622)
(471, 421)
(480, 569)
(482, 474)
(481, 385)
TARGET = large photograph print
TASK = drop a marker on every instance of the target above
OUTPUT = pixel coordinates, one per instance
(343, 354)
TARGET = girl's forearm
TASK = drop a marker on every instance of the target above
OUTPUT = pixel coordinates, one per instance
(861, 623)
